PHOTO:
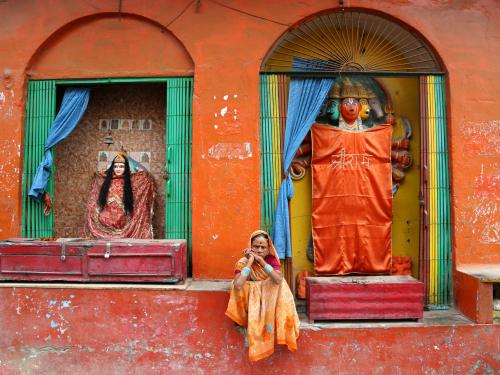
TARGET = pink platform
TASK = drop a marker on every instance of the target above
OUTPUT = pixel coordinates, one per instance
(364, 297)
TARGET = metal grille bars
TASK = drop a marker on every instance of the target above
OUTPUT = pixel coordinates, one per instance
(351, 41)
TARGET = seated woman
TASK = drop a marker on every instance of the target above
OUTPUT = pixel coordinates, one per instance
(261, 300)
(120, 203)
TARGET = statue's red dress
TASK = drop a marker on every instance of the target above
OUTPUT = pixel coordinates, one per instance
(112, 221)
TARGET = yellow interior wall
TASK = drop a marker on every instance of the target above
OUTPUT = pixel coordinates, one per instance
(406, 213)
(300, 218)
(405, 205)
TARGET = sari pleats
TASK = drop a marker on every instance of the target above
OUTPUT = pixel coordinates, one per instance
(268, 311)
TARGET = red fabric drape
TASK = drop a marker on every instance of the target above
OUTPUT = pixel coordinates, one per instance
(352, 200)
(111, 221)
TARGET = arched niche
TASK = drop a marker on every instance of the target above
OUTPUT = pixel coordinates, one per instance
(376, 47)
(138, 72)
(110, 45)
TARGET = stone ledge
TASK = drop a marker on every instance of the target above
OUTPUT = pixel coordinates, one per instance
(483, 272)
(189, 285)
(449, 317)
(433, 318)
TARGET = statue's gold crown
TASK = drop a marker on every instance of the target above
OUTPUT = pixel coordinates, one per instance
(335, 91)
(345, 88)
(348, 89)
(120, 157)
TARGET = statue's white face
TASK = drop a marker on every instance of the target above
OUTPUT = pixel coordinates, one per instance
(119, 169)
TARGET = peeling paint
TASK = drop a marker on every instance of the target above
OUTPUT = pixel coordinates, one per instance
(479, 215)
(230, 151)
(35, 352)
(481, 138)
(64, 305)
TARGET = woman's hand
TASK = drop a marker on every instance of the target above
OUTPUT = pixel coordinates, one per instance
(274, 275)
(247, 252)
(259, 259)
(251, 259)
(240, 278)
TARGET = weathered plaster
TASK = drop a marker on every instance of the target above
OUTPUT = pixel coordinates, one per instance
(67, 331)
(227, 48)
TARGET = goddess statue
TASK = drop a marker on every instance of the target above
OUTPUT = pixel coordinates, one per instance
(120, 202)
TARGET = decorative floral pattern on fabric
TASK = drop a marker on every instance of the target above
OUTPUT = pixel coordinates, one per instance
(112, 221)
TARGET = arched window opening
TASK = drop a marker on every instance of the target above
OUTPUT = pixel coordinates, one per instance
(393, 70)
(351, 41)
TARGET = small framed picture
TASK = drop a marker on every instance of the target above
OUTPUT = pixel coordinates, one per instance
(125, 124)
(145, 157)
(102, 160)
(136, 125)
(103, 124)
(103, 156)
(115, 124)
(146, 124)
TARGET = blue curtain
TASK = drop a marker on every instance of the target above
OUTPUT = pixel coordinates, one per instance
(73, 107)
(304, 102)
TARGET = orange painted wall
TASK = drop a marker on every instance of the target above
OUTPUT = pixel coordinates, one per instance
(226, 48)
(107, 332)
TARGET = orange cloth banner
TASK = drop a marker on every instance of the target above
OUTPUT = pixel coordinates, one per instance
(352, 200)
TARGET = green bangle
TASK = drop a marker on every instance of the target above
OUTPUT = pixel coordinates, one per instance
(268, 268)
(245, 271)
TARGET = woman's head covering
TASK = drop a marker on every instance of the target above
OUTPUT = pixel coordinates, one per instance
(272, 250)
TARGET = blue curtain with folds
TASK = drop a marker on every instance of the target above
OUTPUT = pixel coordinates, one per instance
(73, 107)
(304, 102)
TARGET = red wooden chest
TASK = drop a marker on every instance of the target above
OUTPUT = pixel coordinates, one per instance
(364, 297)
(127, 260)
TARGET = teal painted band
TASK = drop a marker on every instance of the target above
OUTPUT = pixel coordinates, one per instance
(40, 112)
(61, 82)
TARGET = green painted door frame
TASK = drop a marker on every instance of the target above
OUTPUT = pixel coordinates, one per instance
(41, 111)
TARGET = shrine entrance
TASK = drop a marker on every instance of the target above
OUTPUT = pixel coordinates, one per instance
(370, 56)
(139, 99)
(150, 117)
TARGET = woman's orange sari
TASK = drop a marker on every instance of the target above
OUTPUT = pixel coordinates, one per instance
(267, 310)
